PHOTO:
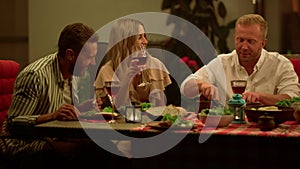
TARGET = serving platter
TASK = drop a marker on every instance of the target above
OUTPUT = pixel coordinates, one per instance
(283, 114)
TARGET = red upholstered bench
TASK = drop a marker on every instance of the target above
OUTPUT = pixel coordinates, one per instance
(8, 72)
(296, 63)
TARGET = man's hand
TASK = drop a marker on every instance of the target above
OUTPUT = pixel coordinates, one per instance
(264, 98)
(251, 97)
(209, 91)
(66, 112)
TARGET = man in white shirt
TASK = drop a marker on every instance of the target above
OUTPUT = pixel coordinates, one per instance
(270, 76)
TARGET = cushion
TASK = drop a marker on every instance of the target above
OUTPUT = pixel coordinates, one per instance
(8, 72)
(296, 63)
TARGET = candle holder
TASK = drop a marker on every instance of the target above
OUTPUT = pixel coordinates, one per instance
(133, 114)
(236, 105)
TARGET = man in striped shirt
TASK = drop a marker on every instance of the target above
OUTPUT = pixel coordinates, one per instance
(44, 90)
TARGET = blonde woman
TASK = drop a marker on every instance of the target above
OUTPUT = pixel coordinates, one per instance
(127, 41)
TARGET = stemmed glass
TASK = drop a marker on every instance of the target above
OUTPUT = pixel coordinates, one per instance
(141, 60)
(238, 86)
(112, 88)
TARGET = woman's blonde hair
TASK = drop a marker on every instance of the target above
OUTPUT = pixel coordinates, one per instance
(250, 19)
(123, 36)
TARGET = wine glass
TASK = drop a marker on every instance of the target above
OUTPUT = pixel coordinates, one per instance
(238, 86)
(112, 88)
(141, 60)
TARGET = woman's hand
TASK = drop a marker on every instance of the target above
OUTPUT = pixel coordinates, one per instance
(99, 103)
(133, 68)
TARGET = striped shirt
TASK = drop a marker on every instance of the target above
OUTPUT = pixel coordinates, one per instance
(39, 89)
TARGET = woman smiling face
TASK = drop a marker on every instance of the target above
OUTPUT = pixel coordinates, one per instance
(142, 39)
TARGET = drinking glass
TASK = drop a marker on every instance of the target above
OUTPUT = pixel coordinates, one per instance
(141, 60)
(238, 86)
(112, 88)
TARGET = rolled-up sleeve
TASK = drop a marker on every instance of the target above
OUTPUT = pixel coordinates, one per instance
(200, 74)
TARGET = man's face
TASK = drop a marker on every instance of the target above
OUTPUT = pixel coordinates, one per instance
(249, 42)
(85, 58)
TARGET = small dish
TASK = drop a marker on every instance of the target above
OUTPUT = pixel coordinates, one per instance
(215, 120)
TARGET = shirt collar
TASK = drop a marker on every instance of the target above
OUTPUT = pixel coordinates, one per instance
(258, 64)
(57, 73)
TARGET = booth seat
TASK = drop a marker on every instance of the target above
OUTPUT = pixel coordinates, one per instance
(8, 72)
(296, 63)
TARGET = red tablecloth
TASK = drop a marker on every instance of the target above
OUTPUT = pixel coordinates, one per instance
(287, 129)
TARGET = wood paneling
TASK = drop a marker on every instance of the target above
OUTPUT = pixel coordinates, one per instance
(14, 31)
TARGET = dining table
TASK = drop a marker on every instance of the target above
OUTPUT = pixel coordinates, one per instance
(233, 146)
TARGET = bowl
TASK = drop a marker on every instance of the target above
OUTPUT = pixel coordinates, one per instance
(283, 114)
(215, 120)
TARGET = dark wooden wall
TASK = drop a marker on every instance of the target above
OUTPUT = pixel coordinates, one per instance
(14, 31)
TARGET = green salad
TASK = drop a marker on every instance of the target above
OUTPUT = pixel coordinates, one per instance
(176, 120)
(145, 106)
(108, 109)
(216, 111)
(287, 102)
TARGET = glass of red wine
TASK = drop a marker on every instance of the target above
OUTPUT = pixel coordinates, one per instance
(238, 86)
(112, 88)
(141, 60)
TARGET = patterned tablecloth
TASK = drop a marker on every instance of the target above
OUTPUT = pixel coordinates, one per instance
(287, 129)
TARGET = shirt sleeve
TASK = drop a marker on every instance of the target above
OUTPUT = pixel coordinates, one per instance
(200, 74)
(26, 94)
(287, 80)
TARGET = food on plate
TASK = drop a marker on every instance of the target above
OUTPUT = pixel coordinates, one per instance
(216, 117)
(267, 108)
(176, 120)
(173, 110)
(171, 116)
(95, 114)
(170, 109)
(216, 111)
(287, 102)
(108, 109)
(145, 106)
